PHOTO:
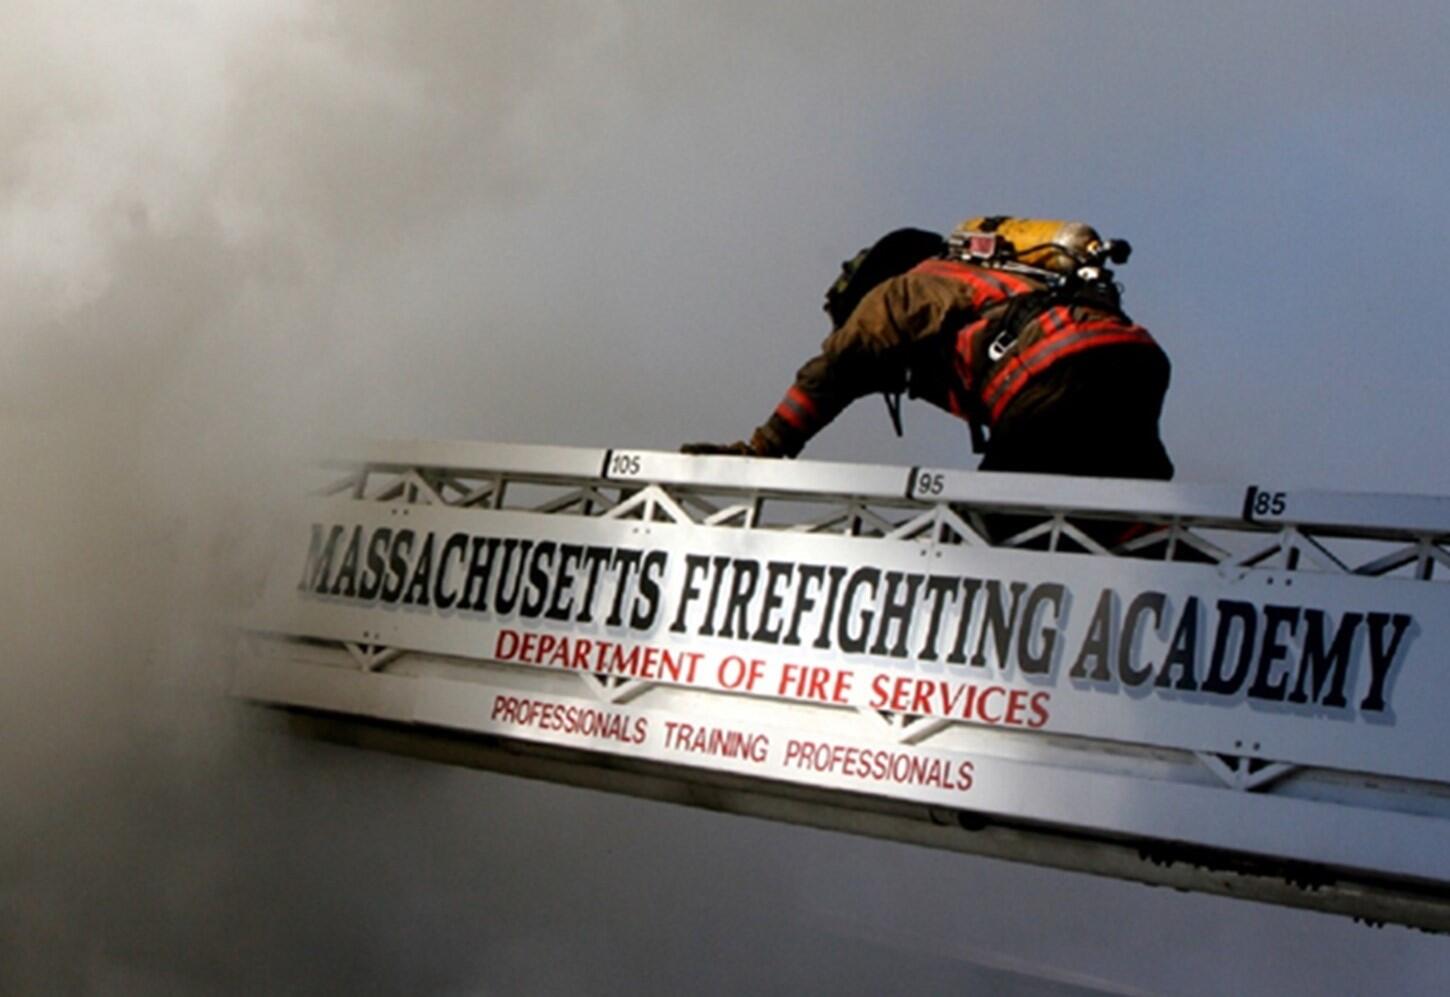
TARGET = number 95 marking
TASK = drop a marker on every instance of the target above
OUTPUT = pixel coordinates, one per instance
(929, 484)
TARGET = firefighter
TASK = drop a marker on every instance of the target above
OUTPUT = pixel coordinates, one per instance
(1011, 324)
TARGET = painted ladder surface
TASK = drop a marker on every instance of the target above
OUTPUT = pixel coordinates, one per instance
(1235, 690)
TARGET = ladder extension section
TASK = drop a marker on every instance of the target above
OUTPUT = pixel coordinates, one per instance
(1236, 690)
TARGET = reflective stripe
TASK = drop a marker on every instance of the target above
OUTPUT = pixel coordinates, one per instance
(797, 409)
(1062, 336)
(966, 345)
(1018, 369)
(987, 286)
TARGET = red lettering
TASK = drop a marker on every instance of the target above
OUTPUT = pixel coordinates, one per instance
(560, 658)
(507, 645)
(582, 646)
(968, 701)
(965, 770)
(951, 699)
(921, 696)
(787, 677)
(1016, 703)
(982, 705)
(1039, 709)
(879, 694)
(817, 687)
(900, 693)
(815, 683)
(504, 708)
(732, 672)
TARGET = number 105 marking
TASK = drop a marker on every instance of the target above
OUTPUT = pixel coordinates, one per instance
(624, 464)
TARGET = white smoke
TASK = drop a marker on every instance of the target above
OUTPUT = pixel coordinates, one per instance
(230, 232)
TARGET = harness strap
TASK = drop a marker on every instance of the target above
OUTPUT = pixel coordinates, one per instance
(1062, 337)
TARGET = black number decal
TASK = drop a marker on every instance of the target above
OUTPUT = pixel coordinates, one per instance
(1270, 503)
(930, 484)
(624, 464)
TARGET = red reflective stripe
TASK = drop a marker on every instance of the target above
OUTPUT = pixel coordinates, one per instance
(790, 415)
(954, 404)
(987, 286)
(966, 341)
(1046, 344)
(1051, 342)
(1007, 284)
(1055, 320)
(802, 400)
(797, 409)
(1085, 341)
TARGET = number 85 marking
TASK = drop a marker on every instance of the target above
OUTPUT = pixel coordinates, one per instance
(1262, 503)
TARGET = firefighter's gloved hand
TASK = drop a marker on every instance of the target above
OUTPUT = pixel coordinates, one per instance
(737, 449)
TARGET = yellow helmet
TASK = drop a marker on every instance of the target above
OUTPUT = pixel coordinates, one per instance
(1051, 244)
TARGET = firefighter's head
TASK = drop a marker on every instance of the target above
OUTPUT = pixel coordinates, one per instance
(892, 255)
(1051, 244)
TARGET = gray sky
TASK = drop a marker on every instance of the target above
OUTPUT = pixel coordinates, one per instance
(232, 231)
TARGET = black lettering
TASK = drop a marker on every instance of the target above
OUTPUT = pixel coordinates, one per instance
(398, 559)
(626, 562)
(1271, 651)
(595, 558)
(457, 543)
(419, 583)
(742, 590)
(346, 581)
(767, 630)
(506, 592)
(561, 606)
(1097, 645)
(896, 612)
(1327, 669)
(1381, 658)
(823, 638)
(707, 629)
(319, 559)
(480, 566)
(938, 589)
(536, 589)
(998, 623)
(647, 599)
(372, 579)
(1143, 602)
(1182, 652)
(1237, 622)
(811, 576)
(1040, 661)
(970, 588)
(855, 643)
(689, 591)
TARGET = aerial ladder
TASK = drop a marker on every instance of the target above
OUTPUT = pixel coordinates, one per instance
(1234, 690)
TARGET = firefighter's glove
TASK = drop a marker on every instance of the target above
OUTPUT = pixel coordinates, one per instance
(737, 449)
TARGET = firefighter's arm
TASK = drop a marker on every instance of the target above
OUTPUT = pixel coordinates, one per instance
(867, 354)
